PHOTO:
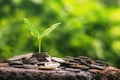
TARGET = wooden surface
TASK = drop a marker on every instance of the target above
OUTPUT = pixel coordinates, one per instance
(11, 73)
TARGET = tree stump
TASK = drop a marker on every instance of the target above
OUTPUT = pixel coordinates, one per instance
(8, 72)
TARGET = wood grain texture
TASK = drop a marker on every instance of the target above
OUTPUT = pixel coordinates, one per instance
(11, 73)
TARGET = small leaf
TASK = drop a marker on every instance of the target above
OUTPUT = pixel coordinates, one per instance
(32, 33)
(31, 28)
(46, 32)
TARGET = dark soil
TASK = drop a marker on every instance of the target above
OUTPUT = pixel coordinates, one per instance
(41, 66)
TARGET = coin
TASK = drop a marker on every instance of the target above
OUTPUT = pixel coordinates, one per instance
(83, 67)
(27, 66)
(71, 69)
(15, 63)
(60, 60)
(20, 57)
(93, 66)
(17, 66)
(53, 64)
(46, 67)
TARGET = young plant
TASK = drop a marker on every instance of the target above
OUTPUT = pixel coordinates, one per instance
(36, 33)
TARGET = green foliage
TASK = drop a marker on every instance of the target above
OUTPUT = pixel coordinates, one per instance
(36, 33)
(46, 32)
(89, 27)
(32, 29)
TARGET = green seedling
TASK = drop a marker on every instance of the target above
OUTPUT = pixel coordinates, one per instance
(36, 33)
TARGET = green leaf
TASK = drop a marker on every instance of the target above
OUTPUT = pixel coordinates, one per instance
(31, 28)
(46, 32)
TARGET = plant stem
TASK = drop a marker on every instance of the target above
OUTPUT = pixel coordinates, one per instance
(39, 42)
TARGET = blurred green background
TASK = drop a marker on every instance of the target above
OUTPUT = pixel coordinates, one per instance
(89, 28)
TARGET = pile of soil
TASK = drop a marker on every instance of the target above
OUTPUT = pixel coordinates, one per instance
(41, 66)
